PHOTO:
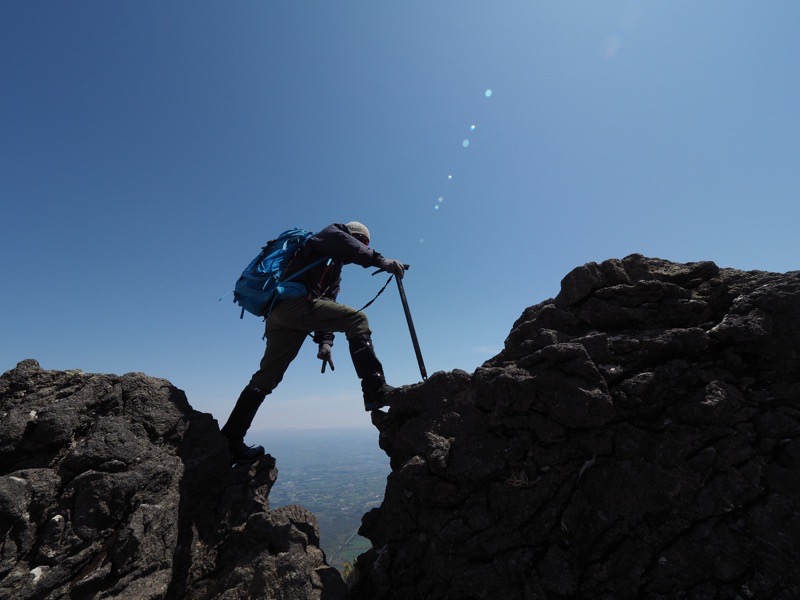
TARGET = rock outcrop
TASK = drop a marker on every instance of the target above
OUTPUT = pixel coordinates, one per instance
(113, 487)
(638, 437)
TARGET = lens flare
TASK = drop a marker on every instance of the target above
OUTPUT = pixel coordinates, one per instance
(611, 47)
(465, 143)
(472, 127)
(488, 93)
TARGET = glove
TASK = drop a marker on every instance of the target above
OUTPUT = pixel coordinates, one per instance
(325, 356)
(395, 267)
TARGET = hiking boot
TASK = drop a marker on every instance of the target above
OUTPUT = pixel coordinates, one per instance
(376, 393)
(370, 371)
(242, 416)
(241, 453)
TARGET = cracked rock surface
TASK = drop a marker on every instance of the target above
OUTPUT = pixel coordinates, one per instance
(113, 487)
(638, 437)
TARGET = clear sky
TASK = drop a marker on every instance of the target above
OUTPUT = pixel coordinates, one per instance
(149, 148)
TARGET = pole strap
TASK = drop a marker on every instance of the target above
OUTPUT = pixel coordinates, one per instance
(385, 285)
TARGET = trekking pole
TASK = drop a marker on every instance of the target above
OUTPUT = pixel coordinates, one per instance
(410, 322)
(411, 329)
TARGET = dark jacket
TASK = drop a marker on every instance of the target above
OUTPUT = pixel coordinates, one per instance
(340, 248)
(336, 244)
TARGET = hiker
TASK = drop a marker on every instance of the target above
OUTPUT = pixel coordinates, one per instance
(291, 320)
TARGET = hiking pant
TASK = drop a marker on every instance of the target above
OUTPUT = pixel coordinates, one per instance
(288, 327)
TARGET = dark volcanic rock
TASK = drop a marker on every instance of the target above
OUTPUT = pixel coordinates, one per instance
(114, 487)
(638, 437)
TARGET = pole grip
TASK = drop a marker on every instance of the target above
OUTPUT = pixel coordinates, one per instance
(405, 267)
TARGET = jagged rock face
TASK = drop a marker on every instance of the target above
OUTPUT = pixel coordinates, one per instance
(638, 437)
(114, 487)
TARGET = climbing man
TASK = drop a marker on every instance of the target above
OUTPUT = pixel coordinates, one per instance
(292, 320)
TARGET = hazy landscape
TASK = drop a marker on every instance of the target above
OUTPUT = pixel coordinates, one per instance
(338, 474)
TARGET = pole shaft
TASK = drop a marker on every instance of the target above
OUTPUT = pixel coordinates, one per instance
(411, 329)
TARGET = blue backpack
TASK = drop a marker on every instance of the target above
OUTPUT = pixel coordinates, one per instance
(260, 284)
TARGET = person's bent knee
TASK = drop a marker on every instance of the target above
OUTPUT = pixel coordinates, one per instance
(359, 326)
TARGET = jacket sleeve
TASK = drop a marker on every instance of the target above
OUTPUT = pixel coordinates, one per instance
(334, 241)
(324, 337)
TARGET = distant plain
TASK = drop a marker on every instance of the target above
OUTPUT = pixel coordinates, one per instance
(338, 474)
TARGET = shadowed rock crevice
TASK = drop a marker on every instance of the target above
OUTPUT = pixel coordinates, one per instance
(637, 437)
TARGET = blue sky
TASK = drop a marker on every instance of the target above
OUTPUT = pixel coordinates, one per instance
(150, 148)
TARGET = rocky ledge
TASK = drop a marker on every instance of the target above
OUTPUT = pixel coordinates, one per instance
(113, 487)
(638, 437)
